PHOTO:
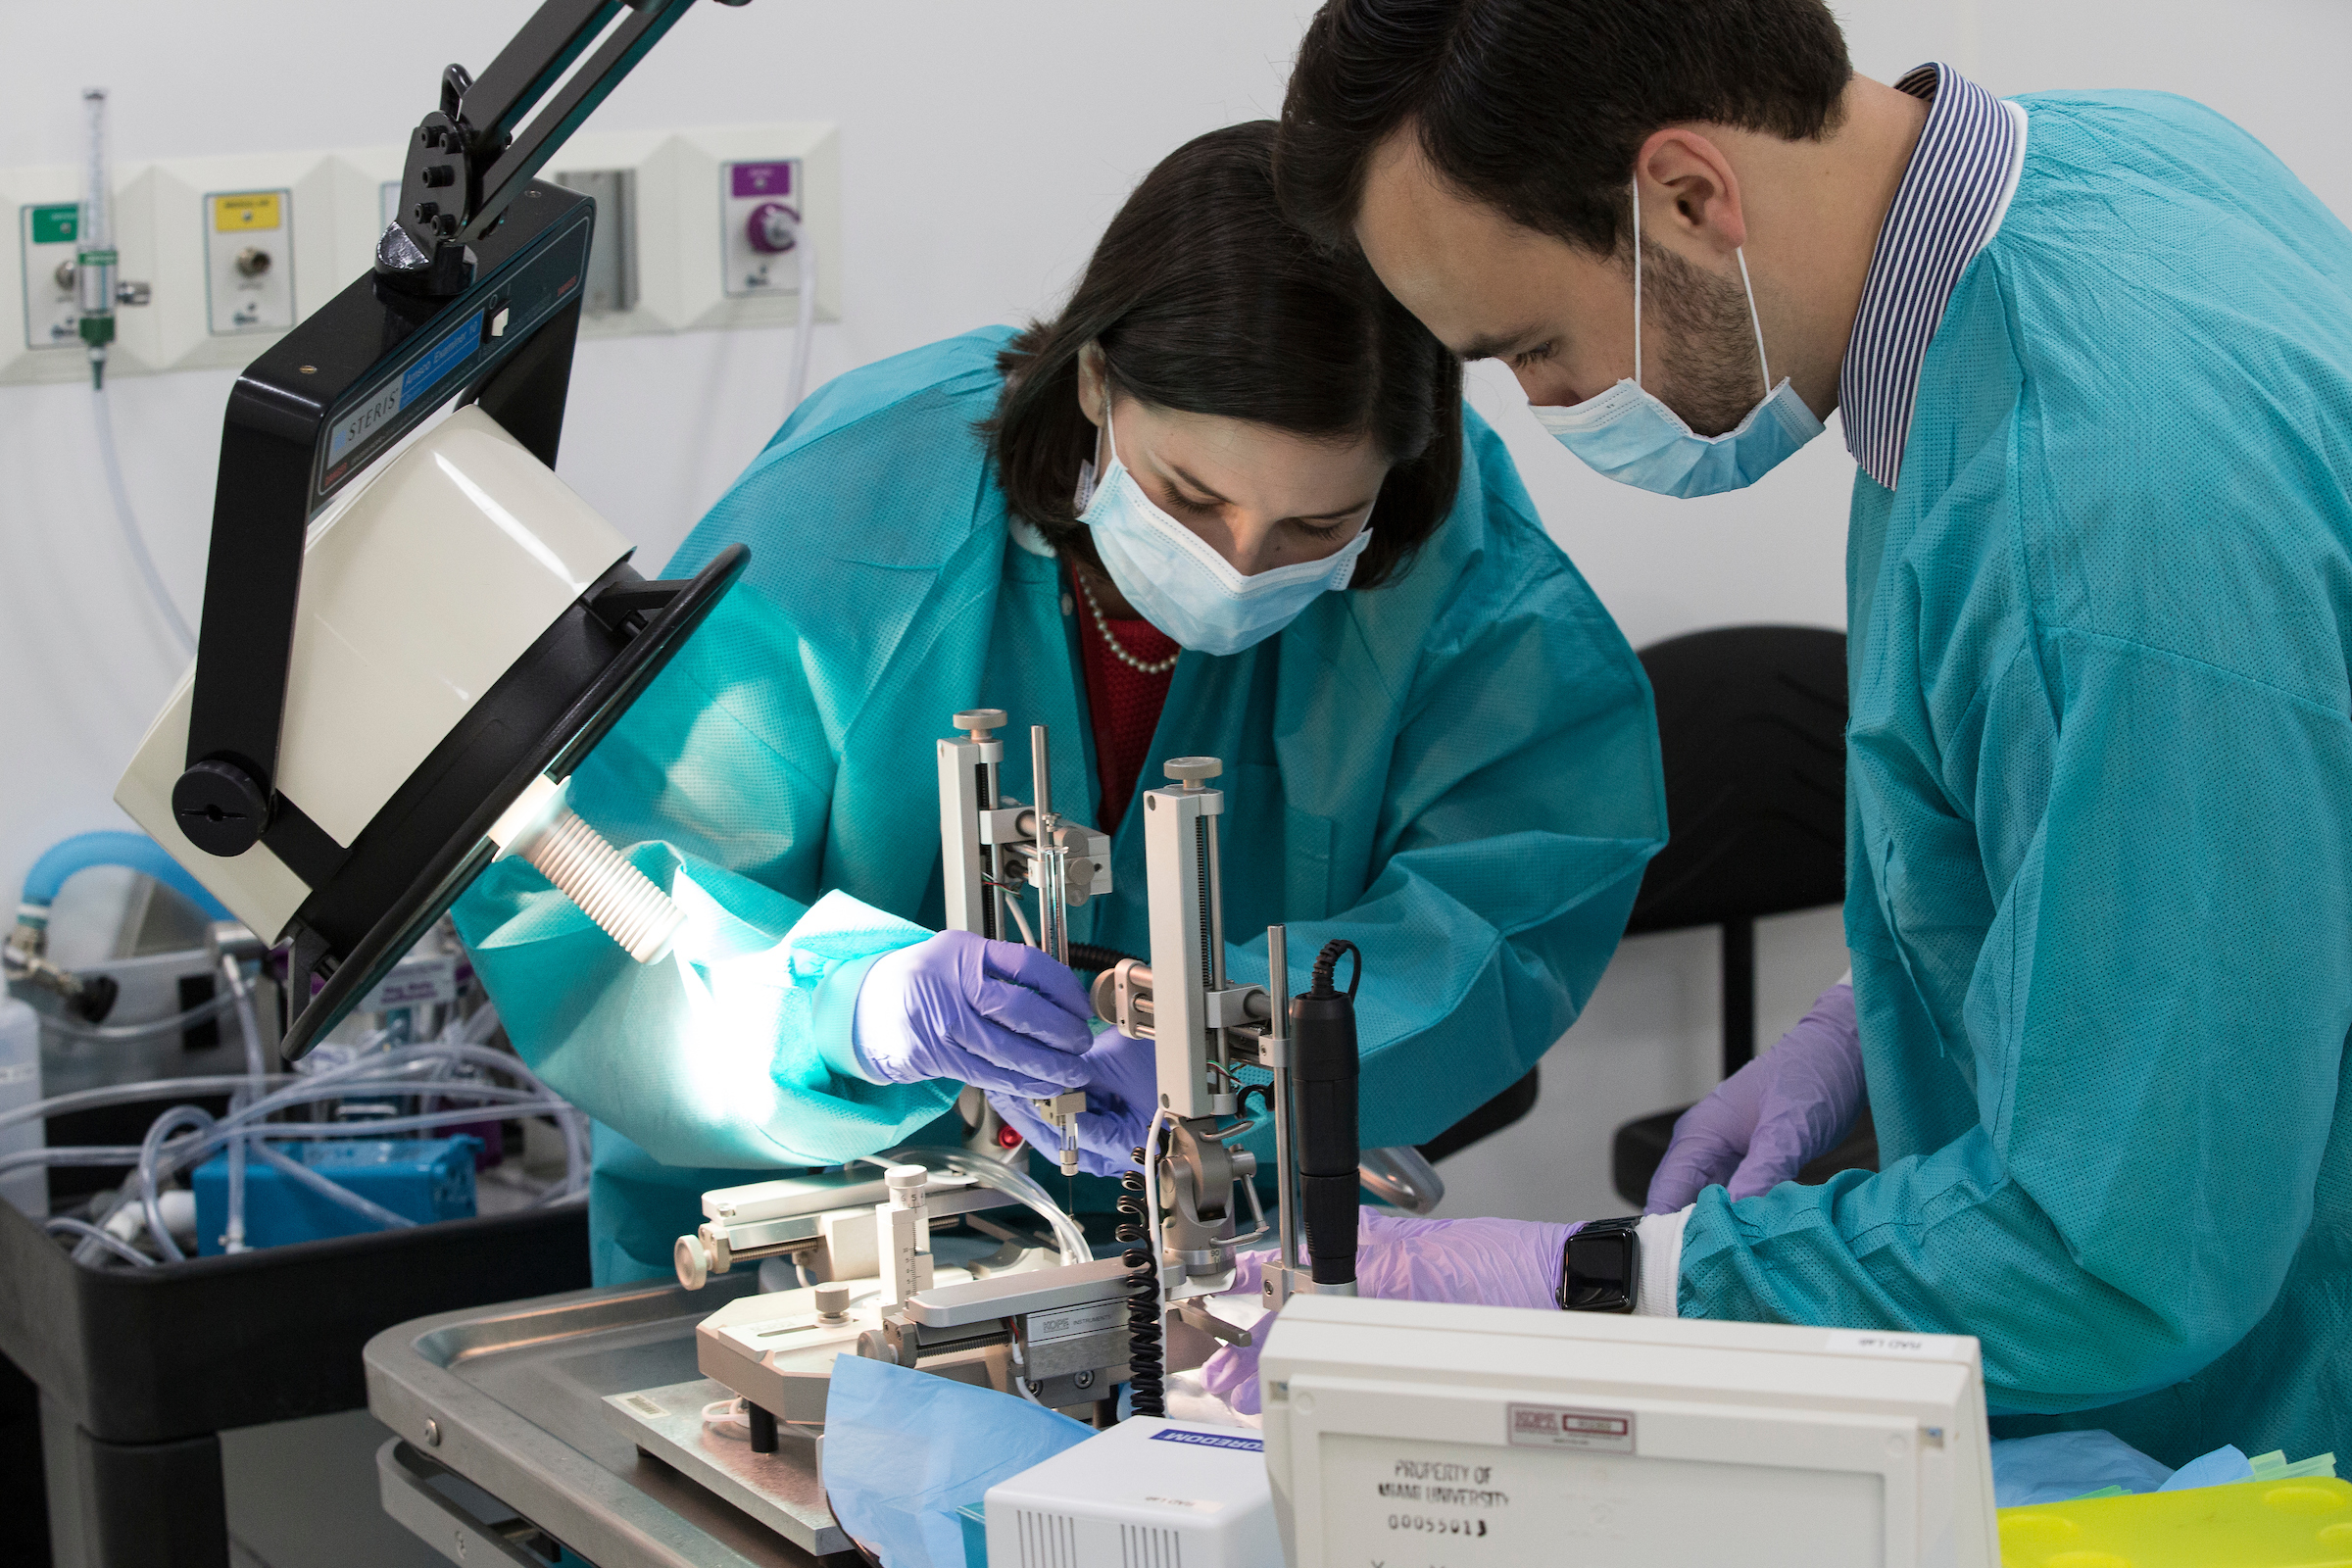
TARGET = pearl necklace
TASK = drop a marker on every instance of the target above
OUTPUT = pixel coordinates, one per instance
(1157, 666)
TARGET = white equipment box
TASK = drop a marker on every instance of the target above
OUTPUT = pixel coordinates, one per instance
(1404, 1432)
(1147, 1492)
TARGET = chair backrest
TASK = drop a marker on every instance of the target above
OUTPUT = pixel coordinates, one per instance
(1751, 733)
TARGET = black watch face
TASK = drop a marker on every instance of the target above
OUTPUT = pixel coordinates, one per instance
(1596, 1271)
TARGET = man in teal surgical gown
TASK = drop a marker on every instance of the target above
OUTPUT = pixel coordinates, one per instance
(2092, 354)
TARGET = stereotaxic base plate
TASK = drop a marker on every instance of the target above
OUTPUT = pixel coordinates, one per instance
(780, 1489)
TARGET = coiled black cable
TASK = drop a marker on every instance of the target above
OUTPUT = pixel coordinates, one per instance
(1145, 1362)
(1092, 956)
(1328, 960)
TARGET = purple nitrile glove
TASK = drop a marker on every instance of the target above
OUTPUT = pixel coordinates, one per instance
(1122, 1083)
(960, 1007)
(1789, 1106)
(1483, 1262)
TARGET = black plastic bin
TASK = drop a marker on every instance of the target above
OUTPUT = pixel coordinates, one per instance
(139, 1370)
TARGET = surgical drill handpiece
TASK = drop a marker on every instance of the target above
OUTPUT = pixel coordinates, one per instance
(1324, 1077)
(1049, 869)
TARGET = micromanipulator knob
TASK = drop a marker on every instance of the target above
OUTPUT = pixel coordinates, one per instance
(980, 722)
(1193, 771)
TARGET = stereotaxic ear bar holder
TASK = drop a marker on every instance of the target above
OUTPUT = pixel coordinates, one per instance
(696, 230)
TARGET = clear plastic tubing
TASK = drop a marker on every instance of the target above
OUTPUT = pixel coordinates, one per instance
(333, 1190)
(1005, 1179)
(158, 1159)
(171, 1121)
(396, 1069)
(233, 1232)
(104, 1033)
(132, 1094)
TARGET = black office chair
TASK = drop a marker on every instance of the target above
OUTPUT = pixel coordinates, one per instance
(1751, 733)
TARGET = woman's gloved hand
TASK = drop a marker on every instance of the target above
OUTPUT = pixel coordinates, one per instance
(1790, 1105)
(1486, 1263)
(960, 1007)
(1121, 1084)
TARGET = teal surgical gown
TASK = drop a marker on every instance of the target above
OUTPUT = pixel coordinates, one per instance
(2099, 798)
(1459, 772)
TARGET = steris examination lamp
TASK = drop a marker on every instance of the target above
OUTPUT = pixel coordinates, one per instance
(406, 649)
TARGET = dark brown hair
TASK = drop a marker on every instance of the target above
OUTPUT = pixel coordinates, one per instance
(1537, 108)
(1203, 299)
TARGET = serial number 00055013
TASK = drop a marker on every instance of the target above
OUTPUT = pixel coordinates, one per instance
(1423, 1525)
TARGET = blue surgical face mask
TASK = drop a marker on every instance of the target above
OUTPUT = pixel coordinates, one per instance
(1628, 434)
(1178, 582)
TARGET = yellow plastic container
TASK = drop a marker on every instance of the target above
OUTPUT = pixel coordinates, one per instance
(2253, 1524)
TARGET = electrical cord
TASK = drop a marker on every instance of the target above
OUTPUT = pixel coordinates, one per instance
(1146, 1360)
(1328, 960)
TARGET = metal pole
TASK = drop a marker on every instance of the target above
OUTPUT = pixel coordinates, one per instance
(1278, 1061)
(1052, 862)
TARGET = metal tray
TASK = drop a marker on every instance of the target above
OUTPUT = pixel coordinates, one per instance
(513, 1398)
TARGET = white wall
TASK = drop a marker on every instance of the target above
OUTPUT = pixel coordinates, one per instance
(983, 146)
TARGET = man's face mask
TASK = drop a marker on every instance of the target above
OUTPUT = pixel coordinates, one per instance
(1630, 435)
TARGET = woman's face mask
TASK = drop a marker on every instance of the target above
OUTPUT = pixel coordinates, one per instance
(1178, 580)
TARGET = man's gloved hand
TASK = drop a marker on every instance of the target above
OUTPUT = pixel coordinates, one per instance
(1121, 1085)
(960, 1007)
(1488, 1262)
(1791, 1105)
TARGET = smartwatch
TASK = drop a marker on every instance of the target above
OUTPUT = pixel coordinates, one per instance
(1601, 1266)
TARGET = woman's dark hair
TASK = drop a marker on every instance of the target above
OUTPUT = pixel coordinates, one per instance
(1537, 108)
(1204, 299)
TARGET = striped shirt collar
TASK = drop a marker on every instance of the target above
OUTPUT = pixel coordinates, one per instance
(1961, 177)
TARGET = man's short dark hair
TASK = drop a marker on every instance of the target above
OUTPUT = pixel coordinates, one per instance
(1537, 108)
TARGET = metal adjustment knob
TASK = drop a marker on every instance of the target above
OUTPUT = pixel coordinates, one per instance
(1193, 771)
(906, 1184)
(692, 1261)
(833, 1302)
(980, 722)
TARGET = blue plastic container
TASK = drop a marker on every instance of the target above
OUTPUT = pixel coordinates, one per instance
(973, 1517)
(423, 1179)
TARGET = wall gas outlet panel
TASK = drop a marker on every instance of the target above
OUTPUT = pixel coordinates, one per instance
(611, 285)
(761, 206)
(734, 209)
(249, 250)
(244, 246)
(42, 340)
(45, 235)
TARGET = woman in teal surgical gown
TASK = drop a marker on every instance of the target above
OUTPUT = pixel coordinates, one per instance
(1451, 763)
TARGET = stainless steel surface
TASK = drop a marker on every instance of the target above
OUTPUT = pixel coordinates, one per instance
(1401, 1178)
(405, 1482)
(967, 793)
(780, 1489)
(1178, 871)
(518, 1393)
(1036, 1291)
(1049, 870)
(1041, 774)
